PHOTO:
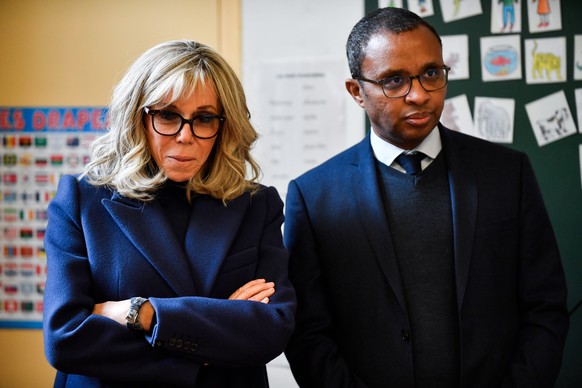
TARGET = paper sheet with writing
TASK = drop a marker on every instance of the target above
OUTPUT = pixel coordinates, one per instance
(299, 113)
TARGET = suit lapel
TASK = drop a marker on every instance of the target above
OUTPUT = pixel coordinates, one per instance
(464, 198)
(146, 226)
(210, 234)
(366, 191)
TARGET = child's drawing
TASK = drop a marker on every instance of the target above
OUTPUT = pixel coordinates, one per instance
(505, 16)
(390, 3)
(422, 8)
(544, 15)
(578, 95)
(550, 118)
(494, 119)
(500, 58)
(545, 60)
(457, 115)
(459, 9)
(578, 57)
(456, 55)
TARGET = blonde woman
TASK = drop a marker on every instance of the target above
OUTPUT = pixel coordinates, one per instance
(165, 260)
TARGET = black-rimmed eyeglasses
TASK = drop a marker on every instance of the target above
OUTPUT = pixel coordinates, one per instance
(170, 123)
(400, 85)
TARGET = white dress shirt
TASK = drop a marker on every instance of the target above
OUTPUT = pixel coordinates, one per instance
(386, 153)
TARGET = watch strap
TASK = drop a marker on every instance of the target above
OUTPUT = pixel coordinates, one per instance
(132, 317)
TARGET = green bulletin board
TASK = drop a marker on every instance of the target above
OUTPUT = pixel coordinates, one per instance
(556, 164)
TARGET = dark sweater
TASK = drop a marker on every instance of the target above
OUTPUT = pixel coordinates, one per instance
(419, 213)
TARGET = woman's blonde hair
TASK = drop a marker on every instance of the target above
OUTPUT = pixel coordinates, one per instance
(121, 159)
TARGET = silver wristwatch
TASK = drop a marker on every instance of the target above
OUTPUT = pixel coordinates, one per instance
(132, 317)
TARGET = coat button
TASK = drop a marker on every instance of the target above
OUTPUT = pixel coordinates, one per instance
(405, 335)
(179, 343)
(193, 347)
(172, 342)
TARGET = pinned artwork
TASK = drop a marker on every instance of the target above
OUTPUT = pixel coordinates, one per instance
(505, 16)
(422, 8)
(390, 3)
(578, 94)
(545, 60)
(550, 118)
(500, 58)
(456, 55)
(457, 115)
(494, 119)
(578, 58)
(456, 9)
(544, 15)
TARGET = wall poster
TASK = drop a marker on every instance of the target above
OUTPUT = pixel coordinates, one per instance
(38, 146)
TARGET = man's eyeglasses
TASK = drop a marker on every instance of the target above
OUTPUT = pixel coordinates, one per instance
(399, 85)
(169, 123)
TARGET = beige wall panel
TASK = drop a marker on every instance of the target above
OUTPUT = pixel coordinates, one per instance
(71, 52)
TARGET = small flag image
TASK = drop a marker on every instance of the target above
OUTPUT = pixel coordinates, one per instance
(40, 162)
(10, 251)
(25, 160)
(56, 160)
(25, 141)
(11, 306)
(10, 178)
(9, 141)
(26, 233)
(40, 141)
(9, 160)
(26, 251)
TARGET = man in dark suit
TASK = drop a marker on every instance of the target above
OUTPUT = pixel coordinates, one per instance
(438, 268)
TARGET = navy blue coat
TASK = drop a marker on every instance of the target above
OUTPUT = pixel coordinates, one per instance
(104, 247)
(352, 325)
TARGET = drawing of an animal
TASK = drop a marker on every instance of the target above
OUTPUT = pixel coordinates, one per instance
(545, 62)
(555, 125)
(493, 121)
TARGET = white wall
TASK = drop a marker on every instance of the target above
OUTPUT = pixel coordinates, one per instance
(310, 30)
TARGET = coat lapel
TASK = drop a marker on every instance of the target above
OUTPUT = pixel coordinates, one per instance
(210, 234)
(373, 216)
(146, 226)
(464, 198)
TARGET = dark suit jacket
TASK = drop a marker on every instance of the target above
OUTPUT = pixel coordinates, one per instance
(103, 247)
(352, 327)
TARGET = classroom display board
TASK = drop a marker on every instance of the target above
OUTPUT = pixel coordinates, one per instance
(516, 79)
(38, 146)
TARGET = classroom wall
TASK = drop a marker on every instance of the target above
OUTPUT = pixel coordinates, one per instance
(71, 53)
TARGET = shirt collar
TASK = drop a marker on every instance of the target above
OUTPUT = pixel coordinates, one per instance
(386, 152)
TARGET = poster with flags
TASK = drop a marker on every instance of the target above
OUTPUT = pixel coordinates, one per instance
(38, 145)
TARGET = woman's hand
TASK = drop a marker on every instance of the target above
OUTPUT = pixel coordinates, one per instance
(258, 290)
(118, 310)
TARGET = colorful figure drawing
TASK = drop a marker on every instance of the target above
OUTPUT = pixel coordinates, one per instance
(544, 12)
(508, 13)
(545, 62)
(422, 5)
